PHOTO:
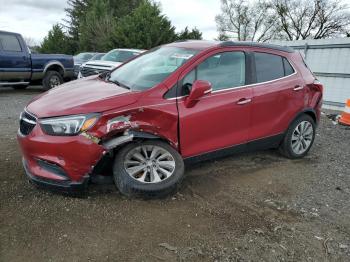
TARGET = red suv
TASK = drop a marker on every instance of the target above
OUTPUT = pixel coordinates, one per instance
(185, 101)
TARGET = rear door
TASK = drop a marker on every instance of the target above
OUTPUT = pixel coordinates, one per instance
(15, 64)
(222, 118)
(278, 95)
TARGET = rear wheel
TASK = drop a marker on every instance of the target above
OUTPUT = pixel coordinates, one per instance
(148, 169)
(299, 137)
(52, 79)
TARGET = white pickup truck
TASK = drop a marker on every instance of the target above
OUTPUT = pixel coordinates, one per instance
(108, 62)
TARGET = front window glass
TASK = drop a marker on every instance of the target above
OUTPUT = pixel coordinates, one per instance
(223, 70)
(152, 68)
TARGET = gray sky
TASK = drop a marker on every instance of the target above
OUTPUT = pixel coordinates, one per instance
(34, 18)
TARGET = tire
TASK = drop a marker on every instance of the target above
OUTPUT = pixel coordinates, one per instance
(20, 87)
(292, 149)
(131, 187)
(52, 79)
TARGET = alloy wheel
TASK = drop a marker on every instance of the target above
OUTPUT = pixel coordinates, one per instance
(302, 137)
(149, 164)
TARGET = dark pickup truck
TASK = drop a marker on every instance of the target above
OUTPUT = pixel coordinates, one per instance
(19, 68)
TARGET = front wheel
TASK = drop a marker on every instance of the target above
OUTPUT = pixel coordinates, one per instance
(148, 169)
(299, 137)
(52, 79)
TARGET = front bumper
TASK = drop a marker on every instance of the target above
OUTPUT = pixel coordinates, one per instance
(62, 186)
(58, 162)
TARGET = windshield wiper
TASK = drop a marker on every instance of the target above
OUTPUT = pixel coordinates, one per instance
(118, 83)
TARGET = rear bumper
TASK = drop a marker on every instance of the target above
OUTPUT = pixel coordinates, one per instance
(62, 186)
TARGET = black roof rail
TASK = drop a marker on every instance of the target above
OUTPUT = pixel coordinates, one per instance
(256, 44)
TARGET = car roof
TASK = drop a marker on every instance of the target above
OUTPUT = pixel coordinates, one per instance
(7, 32)
(194, 44)
(201, 45)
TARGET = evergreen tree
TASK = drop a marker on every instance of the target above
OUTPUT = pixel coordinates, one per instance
(75, 11)
(187, 35)
(101, 25)
(56, 42)
(144, 28)
(97, 27)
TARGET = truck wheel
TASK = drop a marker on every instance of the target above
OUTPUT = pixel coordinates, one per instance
(149, 169)
(20, 87)
(52, 79)
(299, 137)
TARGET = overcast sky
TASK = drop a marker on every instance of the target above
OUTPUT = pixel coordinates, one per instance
(34, 18)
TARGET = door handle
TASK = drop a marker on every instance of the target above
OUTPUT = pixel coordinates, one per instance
(244, 101)
(297, 88)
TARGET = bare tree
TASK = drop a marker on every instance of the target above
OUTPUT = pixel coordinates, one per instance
(243, 20)
(303, 19)
(30, 41)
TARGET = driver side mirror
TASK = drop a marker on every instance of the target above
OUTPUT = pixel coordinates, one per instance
(199, 89)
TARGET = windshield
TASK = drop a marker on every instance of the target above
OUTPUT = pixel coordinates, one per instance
(84, 56)
(152, 68)
(119, 56)
(97, 56)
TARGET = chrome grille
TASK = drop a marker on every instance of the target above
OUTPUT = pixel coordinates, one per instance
(27, 123)
(89, 71)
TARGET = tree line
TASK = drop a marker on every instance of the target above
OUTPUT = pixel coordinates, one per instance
(264, 20)
(101, 25)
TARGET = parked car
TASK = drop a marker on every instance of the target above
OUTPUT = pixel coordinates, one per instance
(19, 67)
(81, 58)
(108, 62)
(185, 101)
(97, 56)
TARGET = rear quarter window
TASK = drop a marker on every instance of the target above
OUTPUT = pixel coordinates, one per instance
(288, 69)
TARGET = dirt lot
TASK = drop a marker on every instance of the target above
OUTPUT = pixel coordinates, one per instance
(252, 207)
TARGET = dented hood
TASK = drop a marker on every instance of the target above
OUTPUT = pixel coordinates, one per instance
(87, 95)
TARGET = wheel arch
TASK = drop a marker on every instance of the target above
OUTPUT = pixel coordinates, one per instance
(54, 66)
(120, 140)
(309, 111)
(113, 144)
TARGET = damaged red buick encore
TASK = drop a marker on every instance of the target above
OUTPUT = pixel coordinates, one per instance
(185, 101)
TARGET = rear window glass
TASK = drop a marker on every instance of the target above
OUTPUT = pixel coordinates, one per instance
(10, 43)
(268, 67)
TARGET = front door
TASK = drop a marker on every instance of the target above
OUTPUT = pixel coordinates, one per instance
(220, 119)
(15, 63)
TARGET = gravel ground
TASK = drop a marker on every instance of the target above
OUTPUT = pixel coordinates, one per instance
(250, 207)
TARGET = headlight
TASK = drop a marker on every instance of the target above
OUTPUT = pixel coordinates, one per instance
(68, 125)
